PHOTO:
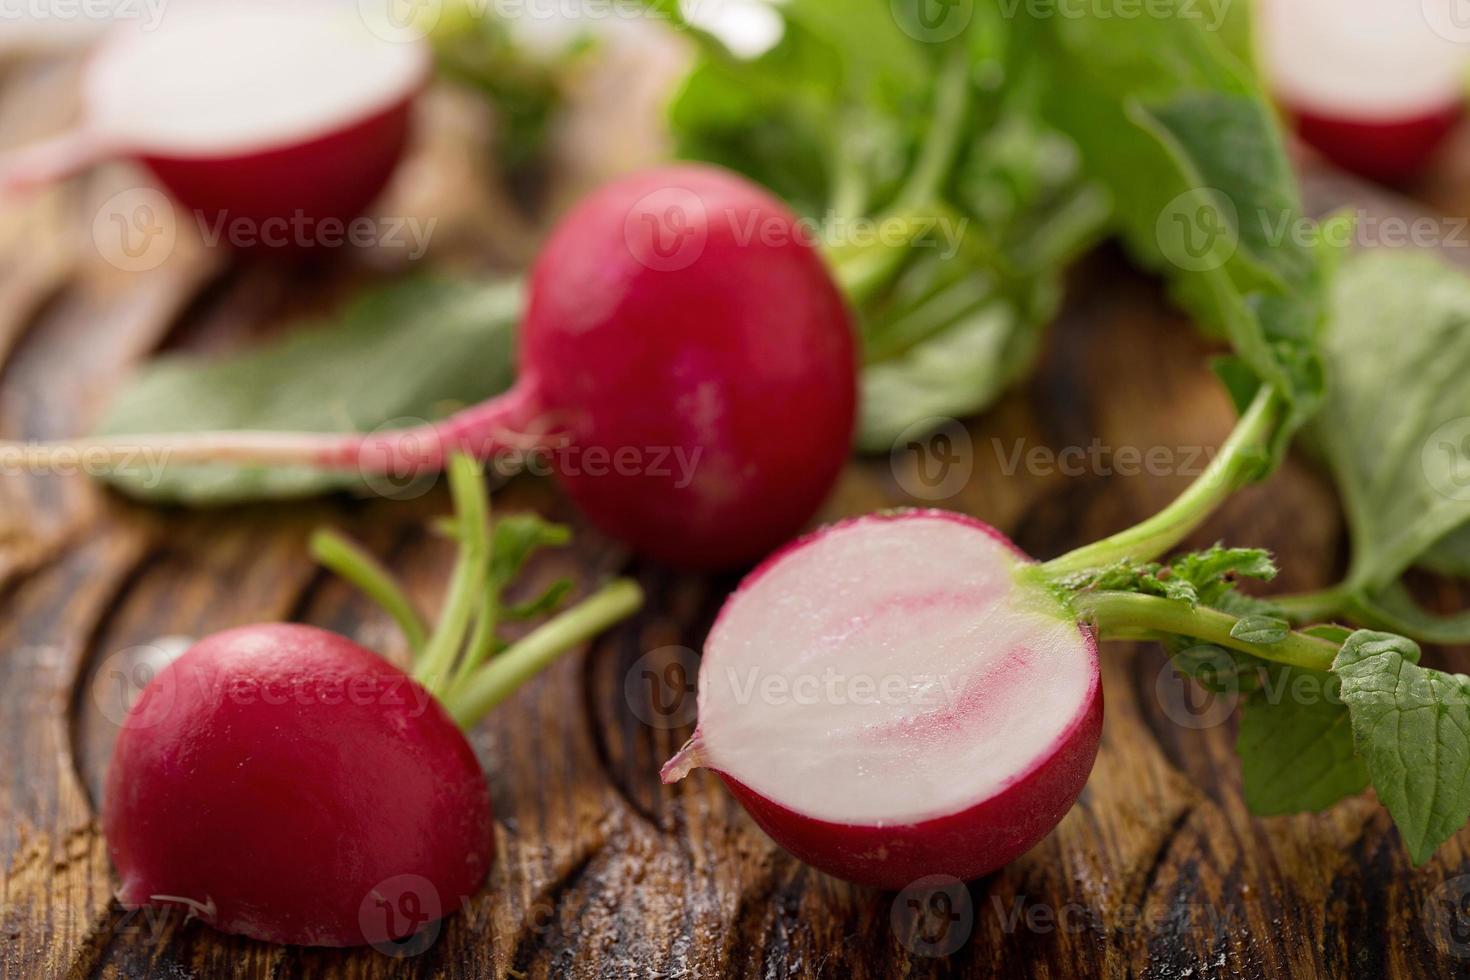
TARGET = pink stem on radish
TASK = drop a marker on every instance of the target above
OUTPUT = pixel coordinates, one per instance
(50, 161)
(511, 421)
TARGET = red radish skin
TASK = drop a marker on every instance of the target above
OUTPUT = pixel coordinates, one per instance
(685, 350)
(332, 178)
(740, 351)
(930, 585)
(283, 783)
(1389, 151)
(290, 118)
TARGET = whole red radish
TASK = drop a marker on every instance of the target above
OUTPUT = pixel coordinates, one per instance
(889, 699)
(283, 783)
(278, 116)
(686, 356)
(682, 311)
(1375, 87)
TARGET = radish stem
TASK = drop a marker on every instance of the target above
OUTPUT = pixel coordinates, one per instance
(355, 565)
(941, 141)
(482, 641)
(1237, 463)
(466, 588)
(863, 271)
(1119, 615)
(502, 676)
(480, 431)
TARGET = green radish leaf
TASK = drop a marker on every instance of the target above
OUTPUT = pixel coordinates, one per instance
(1296, 744)
(544, 604)
(1412, 728)
(1333, 634)
(516, 538)
(1394, 609)
(414, 351)
(837, 119)
(1176, 127)
(1198, 578)
(1261, 629)
(961, 325)
(1395, 427)
(1214, 667)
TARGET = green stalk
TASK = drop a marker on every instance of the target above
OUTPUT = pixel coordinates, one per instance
(1120, 615)
(862, 271)
(941, 141)
(1237, 463)
(467, 584)
(364, 571)
(482, 642)
(1314, 607)
(500, 678)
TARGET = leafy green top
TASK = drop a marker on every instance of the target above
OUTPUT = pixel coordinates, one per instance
(1009, 145)
(1327, 713)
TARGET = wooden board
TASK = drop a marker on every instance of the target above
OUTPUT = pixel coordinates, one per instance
(602, 872)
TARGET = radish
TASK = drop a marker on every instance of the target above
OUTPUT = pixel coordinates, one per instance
(908, 694)
(254, 112)
(685, 354)
(1374, 85)
(288, 774)
(283, 783)
(959, 712)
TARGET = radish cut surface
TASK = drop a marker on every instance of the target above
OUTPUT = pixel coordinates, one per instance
(889, 698)
(1366, 60)
(259, 76)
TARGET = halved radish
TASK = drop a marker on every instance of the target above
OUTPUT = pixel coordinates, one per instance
(889, 698)
(244, 111)
(1374, 85)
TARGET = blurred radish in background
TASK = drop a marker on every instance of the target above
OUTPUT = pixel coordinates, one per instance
(1374, 85)
(266, 113)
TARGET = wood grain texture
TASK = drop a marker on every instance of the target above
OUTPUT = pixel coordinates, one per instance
(602, 872)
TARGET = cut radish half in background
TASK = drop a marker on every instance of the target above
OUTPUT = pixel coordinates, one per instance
(892, 697)
(244, 111)
(1373, 85)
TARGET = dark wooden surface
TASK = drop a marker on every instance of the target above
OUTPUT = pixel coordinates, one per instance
(1158, 872)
